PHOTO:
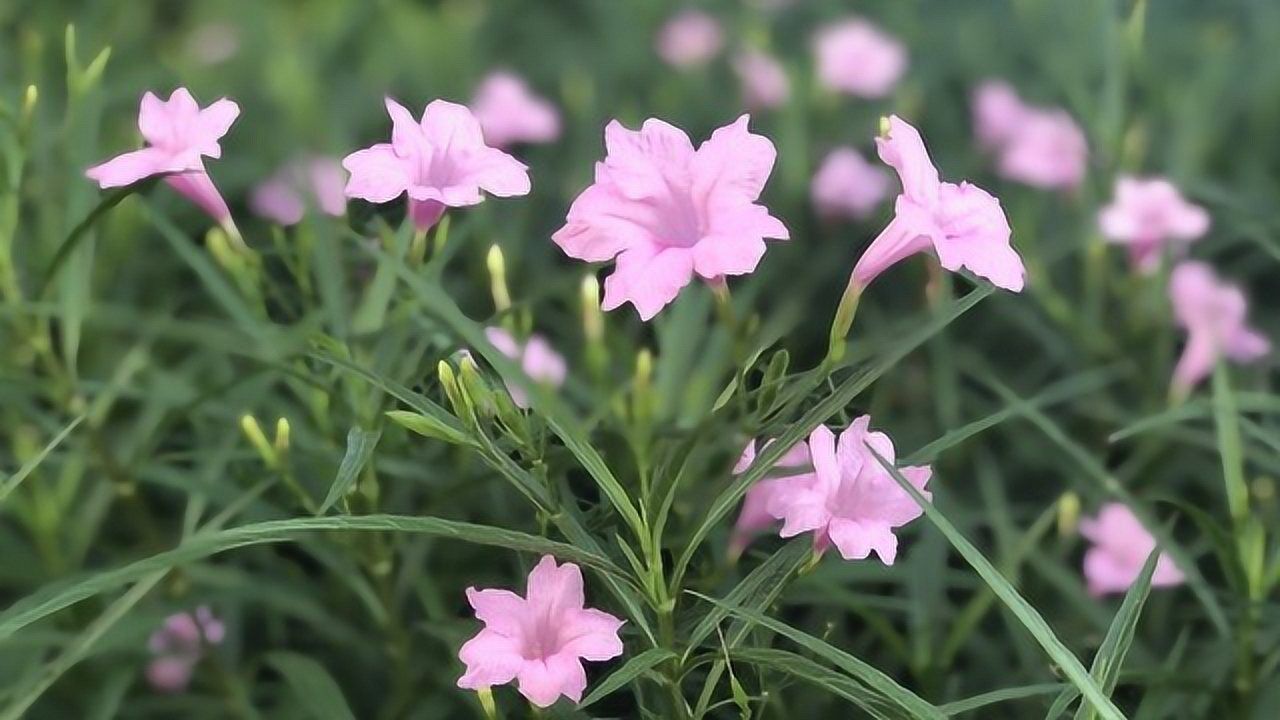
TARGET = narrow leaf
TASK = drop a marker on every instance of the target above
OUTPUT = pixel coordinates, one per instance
(632, 669)
(316, 692)
(360, 445)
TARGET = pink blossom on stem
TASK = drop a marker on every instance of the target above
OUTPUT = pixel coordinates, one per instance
(1047, 151)
(509, 112)
(846, 185)
(858, 58)
(755, 516)
(538, 640)
(764, 80)
(1148, 215)
(963, 224)
(689, 38)
(440, 162)
(1120, 549)
(668, 212)
(177, 646)
(541, 363)
(997, 113)
(1213, 313)
(283, 198)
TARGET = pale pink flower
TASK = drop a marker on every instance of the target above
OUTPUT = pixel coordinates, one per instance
(856, 57)
(689, 38)
(850, 500)
(755, 516)
(846, 185)
(998, 112)
(1148, 215)
(283, 198)
(537, 359)
(1120, 549)
(963, 224)
(440, 162)
(178, 645)
(1213, 313)
(669, 212)
(509, 112)
(179, 135)
(764, 80)
(1048, 150)
(538, 640)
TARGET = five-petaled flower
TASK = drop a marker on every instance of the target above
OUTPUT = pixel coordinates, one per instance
(509, 112)
(754, 516)
(858, 58)
(764, 81)
(846, 185)
(1120, 549)
(689, 38)
(535, 356)
(667, 211)
(1213, 313)
(440, 162)
(1149, 215)
(178, 645)
(538, 640)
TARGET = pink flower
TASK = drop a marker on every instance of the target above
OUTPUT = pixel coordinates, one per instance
(846, 185)
(755, 516)
(1148, 215)
(668, 212)
(510, 113)
(539, 640)
(689, 38)
(1213, 313)
(962, 223)
(178, 645)
(179, 135)
(283, 198)
(856, 57)
(850, 500)
(764, 80)
(1047, 151)
(1120, 549)
(536, 358)
(441, 162)
(998, 112)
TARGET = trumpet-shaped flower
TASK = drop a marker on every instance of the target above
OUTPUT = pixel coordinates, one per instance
(510, 113)
(764, 80)
(179, 136)
(536, 358)
(689, 38)
(178, 645)
(856, 57)
(1148, 215)
(963, 224)
(1213, 313)
(1120, 549)
(668, 212)
(440, 162)
(755, 516)
(283, 198)
(538, 640)
(850, 500)
(846, 185)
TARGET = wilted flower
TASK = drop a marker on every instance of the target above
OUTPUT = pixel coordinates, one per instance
(536, 358)
(538, 640)
(764, 80)
(846, 185)
(1120, 549)
(440, 162)
(755, 516)
(856, 57)
(178, 645)
(1213, 313)
(850, 500)
(668, 212)
(689, 38)
(1149, 214)
(284, 197)
(510, 113)
(1041, 147)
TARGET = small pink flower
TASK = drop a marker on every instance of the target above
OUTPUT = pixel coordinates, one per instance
(536, 358)
(510, 113)
(668, 212)
(689, 38)
(963, 223)
(764, 80)
(1213, 313)
(178, 645)
(856, 57)
(1048, 150)
(1149, 214)
(846, 185)
(850, 500)
(1120, 549)
(755, 516)
(440, 162)
(998, 112)
(283, 198)
(538, 640)
(179, 135)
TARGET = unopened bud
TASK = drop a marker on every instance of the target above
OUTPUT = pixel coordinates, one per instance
(1068, 514)
(253, 431)
(282, 436)
(498, 279)
(884, 126)
(592, 318)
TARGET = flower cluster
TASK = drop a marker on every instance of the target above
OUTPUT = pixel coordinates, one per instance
(178, 645)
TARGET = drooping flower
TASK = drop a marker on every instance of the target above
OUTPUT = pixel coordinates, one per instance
(850, 500)
(283, 198)
(846, 185)
(963, 224)
(179, 135)
(858, 58)
(538, 640)
(755, 516)
(178, 645)
(1213, 313)
(689, 38)
(509, 112)
(997, 113)
(764, 80)
(1148, 215)
(536, 358)
(669, 212)
(440, 162)
(1047, 151)
(1120, 549)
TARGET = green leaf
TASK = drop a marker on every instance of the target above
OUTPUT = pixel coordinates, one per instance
(316, 692)
(14, 480)
(803, 668)
(996, 696)
(360, 445)
(632, 669)
(428, 426)
(81, 230)
(1111, 654)
(1230, 446)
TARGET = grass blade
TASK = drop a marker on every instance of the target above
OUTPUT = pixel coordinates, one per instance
(997, 696)
(16, 479)
(1111, 654)
(317, 693)
(632, 669)
(360, 445)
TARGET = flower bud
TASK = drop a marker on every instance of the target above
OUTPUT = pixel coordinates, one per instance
(253, 431)
(498, 279)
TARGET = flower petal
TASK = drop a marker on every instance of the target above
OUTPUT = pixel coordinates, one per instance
(544, 681)
(554, 589)
(491, 659)
(129, 168)
(903, 149)
(501, 611)
(377, 174)
(649, 278)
